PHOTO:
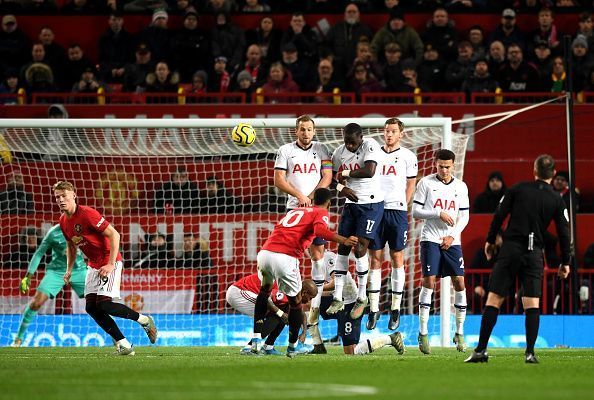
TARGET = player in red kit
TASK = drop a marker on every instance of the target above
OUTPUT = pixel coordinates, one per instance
(279, 259)
(86, 229)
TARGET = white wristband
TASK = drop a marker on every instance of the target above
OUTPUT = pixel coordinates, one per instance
(280, 313)
(339, 187)
(346, 172)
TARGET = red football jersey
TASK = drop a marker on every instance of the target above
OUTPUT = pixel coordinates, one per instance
(85, 229)
(295, 232)
(251, 283)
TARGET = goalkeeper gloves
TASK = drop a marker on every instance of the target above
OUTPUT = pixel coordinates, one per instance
(25, 283)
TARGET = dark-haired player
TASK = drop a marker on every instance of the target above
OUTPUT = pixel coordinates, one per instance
(279, 260)
(86, 229)
(442, 201)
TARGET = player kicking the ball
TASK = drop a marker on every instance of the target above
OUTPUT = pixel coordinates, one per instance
(85, 228)
(442, 201)
(278, 261)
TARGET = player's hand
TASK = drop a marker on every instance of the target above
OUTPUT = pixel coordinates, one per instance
(106, 270)
(304, 201)
(490, 250)
(25, 283)
(445, 217)
(67, 276)
(563, 272)
(351, 241)
(446, 242)
(303, 336)
(349, 194)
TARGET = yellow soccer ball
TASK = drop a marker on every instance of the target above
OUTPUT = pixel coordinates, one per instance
(243, 135)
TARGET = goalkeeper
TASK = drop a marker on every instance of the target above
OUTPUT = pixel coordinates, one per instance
(53, 281)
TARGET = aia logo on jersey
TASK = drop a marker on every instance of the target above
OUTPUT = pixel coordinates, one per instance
(445, 204)
(78, 228)
(352, 167)
(389, 170)
(305, 169)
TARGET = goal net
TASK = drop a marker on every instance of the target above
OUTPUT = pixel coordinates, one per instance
(192, 208)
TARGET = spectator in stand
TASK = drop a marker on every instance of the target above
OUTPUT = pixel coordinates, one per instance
(39, 7)
(363, 81)
(220, 79)
(228, 40)
(245, 85)
(135, 73)
(442, 35)
(279, 81)
(301, 70)
(268, 38)
(182, 7)
(195, 253)
(74, 67)
(14, 199)
(199, 82)
(557, 81)
(79, 7)
(216, 199)
(10, 86)
(392, 77)
(214, 7)
(254, 6)
(178, 196)
(585, 29)
(325, 81)
(37, 57)
(461, 69)
(255, 66)
(581, 63)
(343, 37)
(13, 44)
(88, 82)
(191, 47)
(324, 6)
(561, 185)
(476, 37)
(157, 253)
(547, 31)
(161, 80)
(384, 6)
(432, 69)
(480, 81)
(507, 32)
(158, 36)
(496, 58)
(487, 201)
(29, 241)
(517, 75)
(543, 60)
(465, 5)
(55, 55)
(410, 82)
(589, 83)
(301, 34)
(116, 49)
(38, 77)
(396, 30)
(365, 57)
(144, 6)
(533, 6)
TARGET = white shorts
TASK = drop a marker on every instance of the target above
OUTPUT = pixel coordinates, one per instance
(281, 268)
(242, 301)
(110, 287)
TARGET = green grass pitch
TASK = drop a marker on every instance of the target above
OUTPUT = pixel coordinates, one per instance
(221, 373)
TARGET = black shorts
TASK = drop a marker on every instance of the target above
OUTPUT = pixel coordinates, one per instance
(517, 262)
(349, 329)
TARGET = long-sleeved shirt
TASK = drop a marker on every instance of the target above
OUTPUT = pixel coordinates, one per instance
(54, 239)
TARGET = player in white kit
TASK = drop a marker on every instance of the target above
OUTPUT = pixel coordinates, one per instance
(398, 175)
(300, 168)
(355, 164)
(442, 201)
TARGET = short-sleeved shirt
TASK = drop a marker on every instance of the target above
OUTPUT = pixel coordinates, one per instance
(368, 190)
(252, 283)
(399, 166)
(303, 167)
(433, 194)
(85, 229)
(296, 230)
(54, 240)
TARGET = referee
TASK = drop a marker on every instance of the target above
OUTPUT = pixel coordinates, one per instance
(532, 206)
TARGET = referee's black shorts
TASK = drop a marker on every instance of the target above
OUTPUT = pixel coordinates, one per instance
(516, 261)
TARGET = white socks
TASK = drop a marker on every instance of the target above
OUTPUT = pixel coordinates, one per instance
(424, 308)
(362, 267)
(460, 306)
(124, 343)
(375, 283)
(341, 268)
(373, 344)
(397, 280)
(317, 274)
(142, 319)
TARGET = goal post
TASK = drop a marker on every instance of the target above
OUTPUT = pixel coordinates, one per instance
(118, 165)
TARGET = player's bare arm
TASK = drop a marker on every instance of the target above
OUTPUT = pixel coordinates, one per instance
(280, 181)
(325, 181)
(114, 243)
(410, 189)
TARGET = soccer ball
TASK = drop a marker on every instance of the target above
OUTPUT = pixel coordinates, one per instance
(243, 135)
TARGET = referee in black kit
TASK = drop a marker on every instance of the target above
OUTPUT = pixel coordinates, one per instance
(532, 206)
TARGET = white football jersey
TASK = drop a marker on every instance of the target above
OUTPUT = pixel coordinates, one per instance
(349, 292)
(433, 194)
(367, 189)
(399, 166)
(303, 167)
